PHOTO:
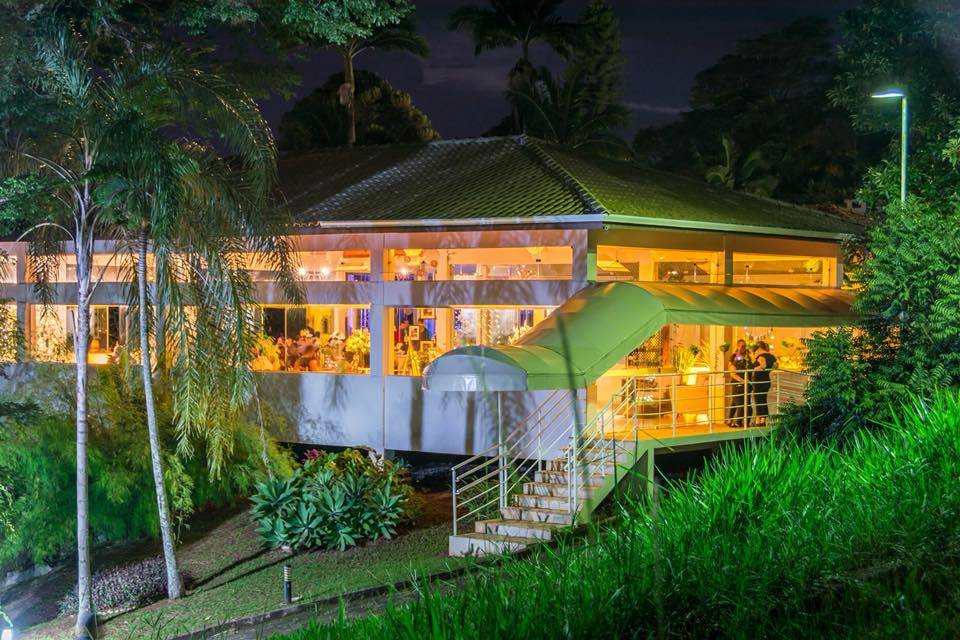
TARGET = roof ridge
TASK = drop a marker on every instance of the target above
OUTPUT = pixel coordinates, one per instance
(299, 155)
(592, 204)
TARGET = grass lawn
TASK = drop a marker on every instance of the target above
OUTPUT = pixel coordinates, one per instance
(233, 576)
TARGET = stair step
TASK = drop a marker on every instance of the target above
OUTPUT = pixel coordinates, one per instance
(560, 517)
(603, 468)
(541, 502)
(559, 489)
(516, 528)
(478, 544)
(560, 477)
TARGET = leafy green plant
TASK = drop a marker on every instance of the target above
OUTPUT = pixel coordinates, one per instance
(333, 501)
(37, 469)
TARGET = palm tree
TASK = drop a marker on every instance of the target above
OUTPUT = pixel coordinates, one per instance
(401, 36)
(509, 23)
(79, 161)
(746, 173)
(564, 113)
(160, 187)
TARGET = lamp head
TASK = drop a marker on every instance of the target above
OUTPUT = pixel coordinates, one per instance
(6, 634)
(889, 93)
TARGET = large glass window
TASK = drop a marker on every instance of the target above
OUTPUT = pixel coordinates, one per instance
(658, 265)
(421, 334)
(492, 263)
(107, 267)
(314, 338)
(761, 268)
(319, 266)
(54, 329)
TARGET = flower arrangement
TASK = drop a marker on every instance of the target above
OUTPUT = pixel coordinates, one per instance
(358, 343)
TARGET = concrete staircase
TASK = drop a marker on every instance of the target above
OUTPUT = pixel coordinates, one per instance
(543, 506)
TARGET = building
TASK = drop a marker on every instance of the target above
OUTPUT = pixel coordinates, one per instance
(409, 252)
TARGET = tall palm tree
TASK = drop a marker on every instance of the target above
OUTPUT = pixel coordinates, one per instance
(563, 112)
(510, 23)
(402, 37)
(160, 187)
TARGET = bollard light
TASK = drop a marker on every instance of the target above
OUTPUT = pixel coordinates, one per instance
(287, 587)
(6, 634)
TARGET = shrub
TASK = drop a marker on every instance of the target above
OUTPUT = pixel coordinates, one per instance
(122, 588)
(38, 477)
(333, 501)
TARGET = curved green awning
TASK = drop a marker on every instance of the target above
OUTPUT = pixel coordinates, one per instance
(590, 332)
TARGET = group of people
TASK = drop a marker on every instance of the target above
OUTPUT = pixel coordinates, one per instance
(306, 353)
(750, 384)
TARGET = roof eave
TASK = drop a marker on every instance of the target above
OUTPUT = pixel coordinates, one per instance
(724, 226)
(451, 222)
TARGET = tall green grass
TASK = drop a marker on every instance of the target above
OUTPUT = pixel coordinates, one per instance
(782, 538)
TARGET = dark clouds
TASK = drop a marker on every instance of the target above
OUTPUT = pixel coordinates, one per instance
(664, 44)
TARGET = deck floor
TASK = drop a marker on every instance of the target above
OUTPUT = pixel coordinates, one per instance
(662, 434)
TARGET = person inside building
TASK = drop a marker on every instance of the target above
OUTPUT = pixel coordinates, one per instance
(739, 366)
(763, 363)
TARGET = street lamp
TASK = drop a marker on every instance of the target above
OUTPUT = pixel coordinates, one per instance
(897, 93)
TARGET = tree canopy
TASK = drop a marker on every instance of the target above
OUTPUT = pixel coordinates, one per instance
(384, 116)
(769, 97)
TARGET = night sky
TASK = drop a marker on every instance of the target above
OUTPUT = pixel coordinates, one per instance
(664, 45)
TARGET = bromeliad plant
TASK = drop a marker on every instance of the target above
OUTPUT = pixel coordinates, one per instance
(333, 501)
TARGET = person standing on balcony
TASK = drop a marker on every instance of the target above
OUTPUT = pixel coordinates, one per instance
(740, 365)
(764, 362)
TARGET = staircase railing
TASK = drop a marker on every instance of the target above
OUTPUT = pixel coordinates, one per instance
(645, 407)
(482, 484)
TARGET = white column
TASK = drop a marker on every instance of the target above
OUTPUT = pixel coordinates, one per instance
(379, 338)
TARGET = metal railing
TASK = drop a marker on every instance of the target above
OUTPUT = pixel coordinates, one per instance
(645, 407)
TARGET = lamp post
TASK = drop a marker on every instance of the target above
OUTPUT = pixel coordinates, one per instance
(897, 93)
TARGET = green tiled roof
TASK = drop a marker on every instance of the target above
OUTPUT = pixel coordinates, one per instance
(518, 178)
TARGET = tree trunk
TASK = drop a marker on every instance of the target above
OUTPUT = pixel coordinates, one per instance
(347, 94)
(85, 608)
(174, 588)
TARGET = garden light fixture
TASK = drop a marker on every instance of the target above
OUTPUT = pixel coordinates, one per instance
(6, 634)
(897, 93)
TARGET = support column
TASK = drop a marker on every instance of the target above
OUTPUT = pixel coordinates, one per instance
(584, 268)
(379, 338)
(727, 263)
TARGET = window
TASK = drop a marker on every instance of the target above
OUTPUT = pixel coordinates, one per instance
(313, 338)
(350, 265)
(107, 267)
(658, 265)
(759, 268)
(55, 327)
(422, 334)
(493, 263)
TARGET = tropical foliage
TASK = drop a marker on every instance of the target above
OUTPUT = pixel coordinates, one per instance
(333, 501)
(510, 23)
(906, 270)
(37, 467)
